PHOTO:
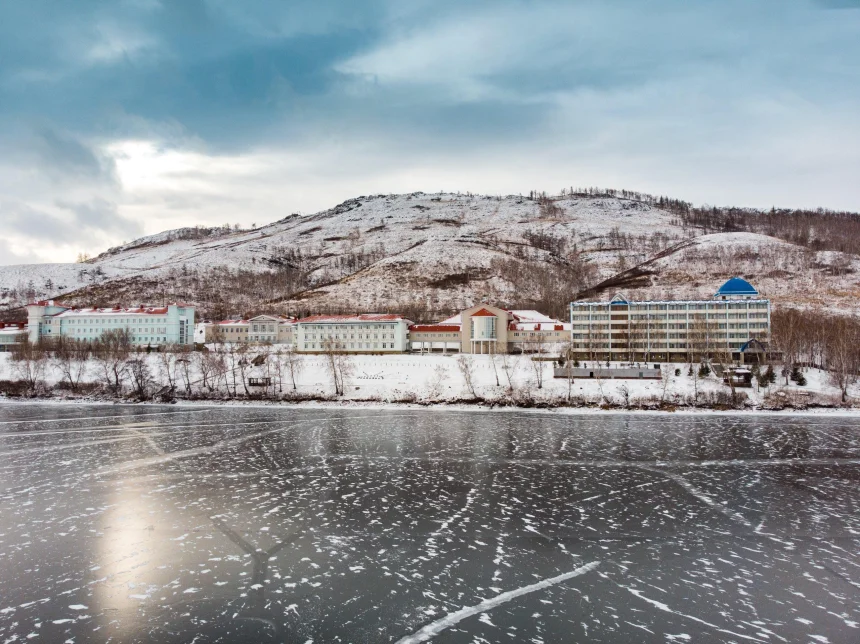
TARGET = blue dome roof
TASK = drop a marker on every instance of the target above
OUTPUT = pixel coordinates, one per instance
(737, 286)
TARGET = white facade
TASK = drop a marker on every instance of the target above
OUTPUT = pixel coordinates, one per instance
(365, 333)
(674, 330)
(149, 326)
(11, 334)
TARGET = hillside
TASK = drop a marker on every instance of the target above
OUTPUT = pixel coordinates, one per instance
(427, 255)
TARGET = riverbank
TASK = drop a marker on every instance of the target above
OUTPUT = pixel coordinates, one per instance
(555, 407)
(431, 381)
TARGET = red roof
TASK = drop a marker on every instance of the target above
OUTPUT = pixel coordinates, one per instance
(435, 328)
(140, 310)
(483, 313)
(363, 317)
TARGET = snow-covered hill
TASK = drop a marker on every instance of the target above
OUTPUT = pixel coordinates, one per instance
(436, 253)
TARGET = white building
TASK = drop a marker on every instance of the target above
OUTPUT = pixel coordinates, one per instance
(11, 333)
(149, 326)
(734, 324)
(363, 333)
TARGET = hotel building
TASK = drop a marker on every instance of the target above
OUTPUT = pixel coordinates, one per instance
(735, 323)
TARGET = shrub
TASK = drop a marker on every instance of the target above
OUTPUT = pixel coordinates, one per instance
(797, 376)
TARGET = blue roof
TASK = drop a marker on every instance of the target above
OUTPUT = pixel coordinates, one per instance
(737, 286)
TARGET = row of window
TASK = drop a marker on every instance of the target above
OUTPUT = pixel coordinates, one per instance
(310, 346)
(346, 327)
(361, 336)
(92, 331)
(581, 309)
(103, 321)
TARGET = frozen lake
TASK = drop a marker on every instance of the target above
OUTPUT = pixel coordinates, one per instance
(149, 524)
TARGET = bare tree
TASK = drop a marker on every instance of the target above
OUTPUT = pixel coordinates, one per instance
(212, 368)
(294, 362)
(437, 382)
(696, 375)
(232, 357)
(243, 362)
(278, 366)
(537, 345)
(141, 376)
(665, 381)
(466, 365)
(788, 333)
(723, 357)
(567, 363)
(843, 354)
(338, 364)
(185, 365)
(71, 357)
(538, 369)
(30, 360)
(167, 365)
(509, 368)
(494, 360)
(111, 352)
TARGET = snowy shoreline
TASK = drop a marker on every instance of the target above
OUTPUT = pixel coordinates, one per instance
(432, 407)
(435, 382)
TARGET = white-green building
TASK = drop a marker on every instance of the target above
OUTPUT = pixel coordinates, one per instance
(149, 325)
(11, 334)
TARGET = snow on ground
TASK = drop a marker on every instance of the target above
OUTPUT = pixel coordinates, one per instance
(436, 377)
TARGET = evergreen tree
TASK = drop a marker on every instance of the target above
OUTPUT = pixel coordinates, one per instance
(797, 376)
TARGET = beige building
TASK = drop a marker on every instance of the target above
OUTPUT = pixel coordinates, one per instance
(484, 328)
(734, 325)
(360, 333)
(262, 329)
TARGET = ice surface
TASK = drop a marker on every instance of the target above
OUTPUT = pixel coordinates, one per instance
(275, 524)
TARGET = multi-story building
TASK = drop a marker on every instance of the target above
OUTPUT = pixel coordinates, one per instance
(149, 326)
(272, 329)
(734, 324)
(262, 329)
(489, 329)
(361, 333)
(11, 333)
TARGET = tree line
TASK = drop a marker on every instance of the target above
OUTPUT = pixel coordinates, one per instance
(820, 339)
(113, 363)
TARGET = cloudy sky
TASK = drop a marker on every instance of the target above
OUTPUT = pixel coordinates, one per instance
(124, 118)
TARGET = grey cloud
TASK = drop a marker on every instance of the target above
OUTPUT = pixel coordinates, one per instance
(78, 223)
(100, 215)
(62, 156)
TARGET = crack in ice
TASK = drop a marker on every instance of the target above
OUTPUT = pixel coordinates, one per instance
(432, 629)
